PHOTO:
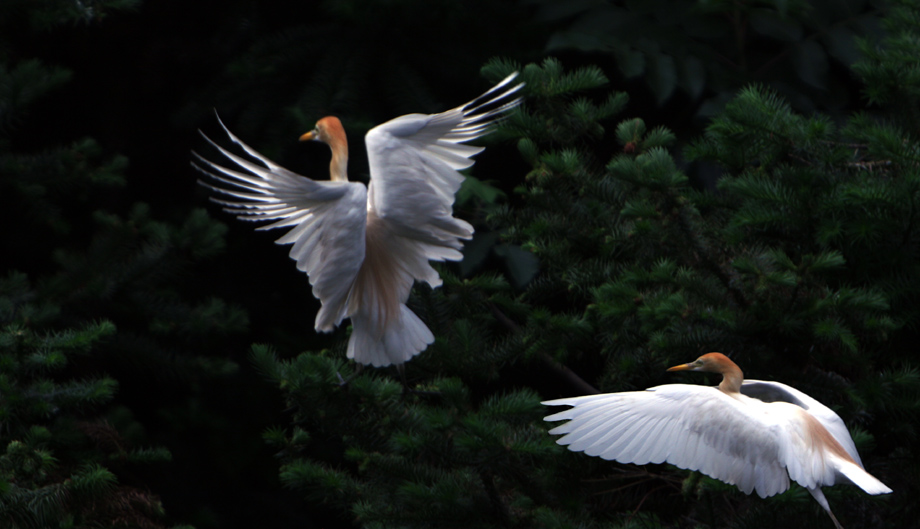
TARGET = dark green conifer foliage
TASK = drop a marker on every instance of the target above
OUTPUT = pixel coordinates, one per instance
(56, 461)
(77, 263)
(889, 69)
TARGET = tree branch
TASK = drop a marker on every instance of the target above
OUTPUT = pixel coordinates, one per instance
(562, 371)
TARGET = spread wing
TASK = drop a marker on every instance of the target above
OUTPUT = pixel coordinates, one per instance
(327, 220)
(414, 161)
(692, 427)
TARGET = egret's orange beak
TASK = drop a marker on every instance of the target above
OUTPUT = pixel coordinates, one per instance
(308, 136)
(682, 367)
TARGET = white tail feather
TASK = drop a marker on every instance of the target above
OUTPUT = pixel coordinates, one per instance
(402, 339)
(861, 478)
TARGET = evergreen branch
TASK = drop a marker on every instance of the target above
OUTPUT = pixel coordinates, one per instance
(728, 279)
(800, 159)
(910, 223)
(502, 512)
(568, 375)
(852, 145)
(562, 371)
(645, 497)
(870, 165)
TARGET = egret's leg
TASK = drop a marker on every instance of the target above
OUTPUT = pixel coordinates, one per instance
(343, 382)
(819, 497)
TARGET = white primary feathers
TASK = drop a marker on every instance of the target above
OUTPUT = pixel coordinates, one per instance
(363, 247)
(728, 432)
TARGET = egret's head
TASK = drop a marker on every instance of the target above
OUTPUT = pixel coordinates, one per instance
(712, 362)
(329, 131)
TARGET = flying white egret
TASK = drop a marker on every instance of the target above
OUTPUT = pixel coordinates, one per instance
(363, 247)
(753, 434)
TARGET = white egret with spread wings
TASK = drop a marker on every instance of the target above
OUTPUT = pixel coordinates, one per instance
(364, 247)
(753, 434)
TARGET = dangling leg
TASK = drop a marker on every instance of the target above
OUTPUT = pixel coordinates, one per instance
(343, 382)
(819, 497)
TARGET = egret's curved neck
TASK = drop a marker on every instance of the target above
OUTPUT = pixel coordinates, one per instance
(731, 378)
(338, 167)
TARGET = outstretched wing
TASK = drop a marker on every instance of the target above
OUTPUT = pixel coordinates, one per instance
(693, 427)
(327, 220)
(414, 161)
(754, 445)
